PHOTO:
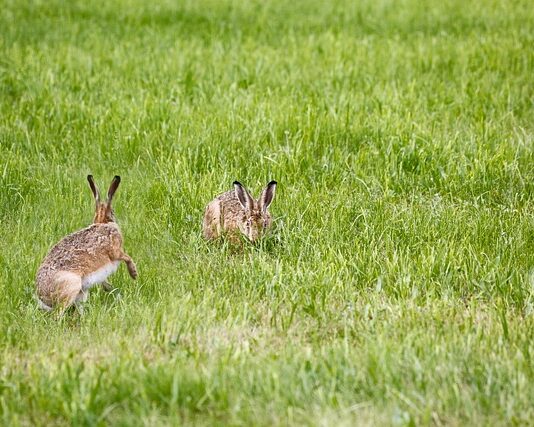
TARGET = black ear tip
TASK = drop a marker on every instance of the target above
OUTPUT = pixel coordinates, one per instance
(272, 183)
(117, 178)
(89, 178)
(238, 183)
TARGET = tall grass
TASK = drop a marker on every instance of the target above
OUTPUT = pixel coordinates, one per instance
(397, 286)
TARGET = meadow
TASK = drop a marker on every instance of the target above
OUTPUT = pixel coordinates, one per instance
(397, 284)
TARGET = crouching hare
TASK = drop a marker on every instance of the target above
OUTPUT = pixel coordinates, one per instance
(84, 258)
(236, 212)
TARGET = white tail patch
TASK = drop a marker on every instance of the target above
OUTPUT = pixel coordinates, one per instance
(99, 275)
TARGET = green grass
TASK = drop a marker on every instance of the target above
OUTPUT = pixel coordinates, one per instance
(397, 287)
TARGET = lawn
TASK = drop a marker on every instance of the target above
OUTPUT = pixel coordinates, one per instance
(397, 284)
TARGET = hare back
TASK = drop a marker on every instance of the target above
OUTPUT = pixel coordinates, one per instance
(231, 210)
(222, 213)
(82, 252)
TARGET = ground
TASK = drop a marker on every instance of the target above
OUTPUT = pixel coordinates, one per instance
(397, 285)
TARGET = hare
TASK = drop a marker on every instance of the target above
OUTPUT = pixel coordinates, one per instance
(84, 258)
(236, 212)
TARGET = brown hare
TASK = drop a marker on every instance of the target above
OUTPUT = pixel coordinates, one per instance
(236, 212)
(84, 258)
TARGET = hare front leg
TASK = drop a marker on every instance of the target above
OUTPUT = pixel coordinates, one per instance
(132, 269)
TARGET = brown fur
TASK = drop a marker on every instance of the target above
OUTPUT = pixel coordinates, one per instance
(61, 275)
(103, 214)
(226, 214)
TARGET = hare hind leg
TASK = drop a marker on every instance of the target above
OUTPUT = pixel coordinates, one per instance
(107, 286)
(68, 289)
(211, 224)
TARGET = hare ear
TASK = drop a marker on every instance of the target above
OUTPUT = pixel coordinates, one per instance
(94, 188)
(113, 187)
(243, 196)
(267, 195)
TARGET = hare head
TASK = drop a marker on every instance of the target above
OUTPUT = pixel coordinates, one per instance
(103, 211)
(255, 218)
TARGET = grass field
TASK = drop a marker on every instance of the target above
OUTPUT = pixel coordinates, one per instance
(397, 286)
